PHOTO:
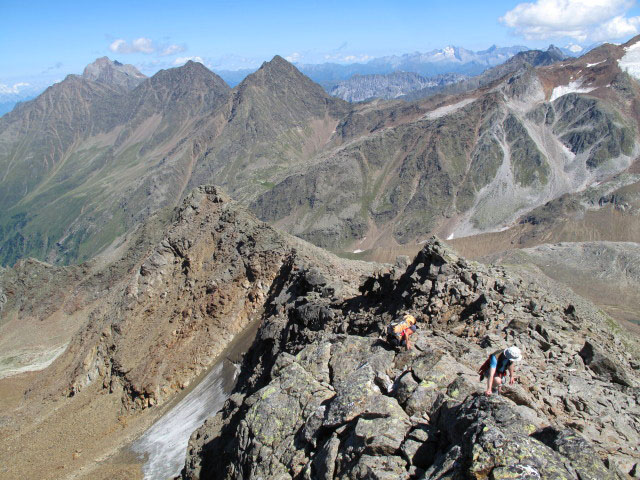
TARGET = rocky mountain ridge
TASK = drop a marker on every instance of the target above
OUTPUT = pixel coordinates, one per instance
(321, 395)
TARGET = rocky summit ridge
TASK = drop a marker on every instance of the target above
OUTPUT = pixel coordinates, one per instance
(322, 395)
(319, 393)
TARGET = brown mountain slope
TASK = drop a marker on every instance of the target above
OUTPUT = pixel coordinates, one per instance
(150, 323)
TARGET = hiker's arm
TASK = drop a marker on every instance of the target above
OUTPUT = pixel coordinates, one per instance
(490, 375)
(512, 375)
(406, 339)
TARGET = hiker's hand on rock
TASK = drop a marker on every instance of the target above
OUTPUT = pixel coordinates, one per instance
(512, 380)
(488, 393)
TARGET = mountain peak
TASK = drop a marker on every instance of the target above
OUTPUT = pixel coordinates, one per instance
(193, 74)
(276, 71)
(186, 90)
(104, 70)
(278, 63)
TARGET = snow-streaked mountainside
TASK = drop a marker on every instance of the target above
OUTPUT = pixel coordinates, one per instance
(468, 164)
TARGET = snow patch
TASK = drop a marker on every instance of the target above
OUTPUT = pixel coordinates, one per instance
(630, 61)
(358, 251)
(447, 109)
(589, 65)
(165, 443)
(450, 237)
(573, 87)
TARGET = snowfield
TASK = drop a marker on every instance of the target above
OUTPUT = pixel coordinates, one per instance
(630, 62)
(573, 87)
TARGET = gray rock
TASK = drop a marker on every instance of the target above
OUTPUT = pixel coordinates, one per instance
(603, 365)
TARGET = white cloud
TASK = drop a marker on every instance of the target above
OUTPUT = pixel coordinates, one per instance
(340, 58)
(5, 89)
(582, 20)
(572, 47)
(618, 27)
(172, 50)
(356, 58)
(183, 60)
(294, 57)
(138, 45)
(118, 45)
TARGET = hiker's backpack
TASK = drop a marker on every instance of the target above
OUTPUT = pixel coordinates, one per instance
(486, 365)
(395, 329)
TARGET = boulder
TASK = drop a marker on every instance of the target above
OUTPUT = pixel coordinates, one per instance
(604, 365)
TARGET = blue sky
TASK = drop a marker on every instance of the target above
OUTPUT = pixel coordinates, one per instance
(43, 41)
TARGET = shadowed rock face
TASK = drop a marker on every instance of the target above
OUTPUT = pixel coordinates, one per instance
(322, 395)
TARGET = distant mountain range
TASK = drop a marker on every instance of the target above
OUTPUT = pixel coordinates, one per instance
(529, 58)
(390, 85)
(411, 86)
(450, 59)
(447, 60)
(94, 155)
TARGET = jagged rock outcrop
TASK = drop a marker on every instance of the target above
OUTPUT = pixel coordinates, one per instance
(166, 320)
(322, 395)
